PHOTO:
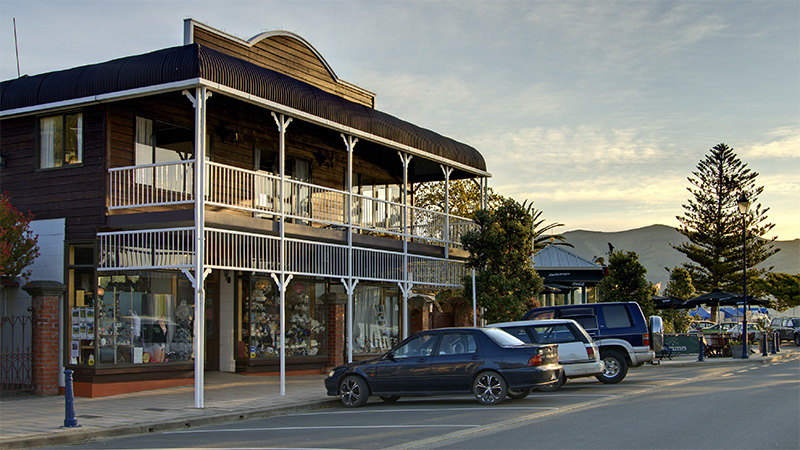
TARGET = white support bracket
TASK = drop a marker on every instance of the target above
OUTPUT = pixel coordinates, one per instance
(194, 100)
(281, 287)
(282, 124)
(405, 289)
(192, 278)
(350, 287)
(349, 141)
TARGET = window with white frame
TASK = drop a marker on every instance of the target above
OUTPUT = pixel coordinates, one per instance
(60, 140)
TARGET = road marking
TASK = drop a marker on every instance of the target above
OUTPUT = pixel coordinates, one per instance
(582, 395)
(336, 427)
(400, 410)
(670, 378)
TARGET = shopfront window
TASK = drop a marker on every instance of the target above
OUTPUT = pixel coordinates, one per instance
(136, 318)
(376, 318)
(305, 318)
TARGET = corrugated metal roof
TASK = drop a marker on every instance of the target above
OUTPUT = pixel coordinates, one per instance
(557, 257)
(195, 61)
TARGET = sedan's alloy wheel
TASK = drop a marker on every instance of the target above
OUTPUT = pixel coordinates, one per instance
(353, 392)
(490, 388)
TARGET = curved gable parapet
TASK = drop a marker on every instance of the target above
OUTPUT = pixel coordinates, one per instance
(288, 34)
(281, 51)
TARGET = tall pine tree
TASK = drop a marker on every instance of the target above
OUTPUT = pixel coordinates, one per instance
(713, 225)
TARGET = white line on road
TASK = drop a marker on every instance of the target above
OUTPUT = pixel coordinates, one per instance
(337, 427)
(582, 395)
(415, 410)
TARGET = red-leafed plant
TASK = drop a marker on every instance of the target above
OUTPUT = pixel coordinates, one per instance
(18, 244)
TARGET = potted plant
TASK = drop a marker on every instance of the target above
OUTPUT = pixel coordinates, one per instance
(736, 348)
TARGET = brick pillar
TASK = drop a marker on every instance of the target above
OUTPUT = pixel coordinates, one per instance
(45, 300)
(336, 328)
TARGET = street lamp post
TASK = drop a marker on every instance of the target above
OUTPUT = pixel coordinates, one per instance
(744, 206)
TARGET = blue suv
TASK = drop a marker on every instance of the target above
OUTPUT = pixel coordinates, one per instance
(623, 335)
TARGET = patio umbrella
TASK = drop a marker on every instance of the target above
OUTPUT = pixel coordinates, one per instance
(667, 302)
(738, 299)
(716, 297)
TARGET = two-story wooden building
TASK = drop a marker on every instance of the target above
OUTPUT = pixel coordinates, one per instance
(290, 241)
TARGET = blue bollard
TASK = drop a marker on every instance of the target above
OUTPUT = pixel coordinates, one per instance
(69, 421)
(765, 348)
(777, 342)
(702, 348)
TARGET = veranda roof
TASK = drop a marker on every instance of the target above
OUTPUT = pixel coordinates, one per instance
(194, 61)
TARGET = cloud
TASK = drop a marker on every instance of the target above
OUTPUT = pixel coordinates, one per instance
(784, 143)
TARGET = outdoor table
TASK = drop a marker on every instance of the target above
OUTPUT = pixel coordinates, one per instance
(717, 344)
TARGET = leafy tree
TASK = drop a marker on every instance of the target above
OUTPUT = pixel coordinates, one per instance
(680, 286)
(542, 240)
(713, 224)
(18, 247)
(500, 252)
(783, 286)
(626, 281)
(464, 197)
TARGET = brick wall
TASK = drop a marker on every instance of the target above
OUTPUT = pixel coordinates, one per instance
(45, 299)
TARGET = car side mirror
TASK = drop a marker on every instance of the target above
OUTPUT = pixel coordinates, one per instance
(656, 333)
(389, 355)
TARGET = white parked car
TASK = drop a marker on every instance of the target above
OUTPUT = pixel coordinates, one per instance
(577, 352)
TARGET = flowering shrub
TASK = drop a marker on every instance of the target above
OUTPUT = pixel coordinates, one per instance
(18, 247)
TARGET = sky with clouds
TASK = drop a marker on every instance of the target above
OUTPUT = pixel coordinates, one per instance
(597, 111)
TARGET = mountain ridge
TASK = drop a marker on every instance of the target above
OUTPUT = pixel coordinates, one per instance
(653, 244)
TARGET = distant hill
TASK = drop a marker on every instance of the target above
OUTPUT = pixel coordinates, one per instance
(652, 244)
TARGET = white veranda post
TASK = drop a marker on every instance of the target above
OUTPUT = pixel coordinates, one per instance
(200, 272)
(283, 123)
(349, 283)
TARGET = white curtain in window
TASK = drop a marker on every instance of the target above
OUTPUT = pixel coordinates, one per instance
(47, 133)
(79, 137)
(144, 141)
(144, 150)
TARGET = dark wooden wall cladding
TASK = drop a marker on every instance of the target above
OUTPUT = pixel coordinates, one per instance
(238, 129)
(286, 55)
(75, 192)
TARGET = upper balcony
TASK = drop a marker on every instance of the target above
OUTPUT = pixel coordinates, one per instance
(258, 194)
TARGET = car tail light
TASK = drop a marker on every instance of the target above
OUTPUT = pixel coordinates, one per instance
(590, 351)
(646, 339)
(536, 360)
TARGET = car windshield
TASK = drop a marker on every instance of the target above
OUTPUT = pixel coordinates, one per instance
(502, 338)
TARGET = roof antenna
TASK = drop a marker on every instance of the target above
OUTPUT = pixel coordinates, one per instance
(16, 47)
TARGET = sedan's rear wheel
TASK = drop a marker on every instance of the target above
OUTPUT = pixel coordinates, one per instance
(517, 394)
(489, 388)
(353, 391)
(797, 340)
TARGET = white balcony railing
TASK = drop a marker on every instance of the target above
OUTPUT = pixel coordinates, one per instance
(234, 250)
(259, 193)
(151, 185)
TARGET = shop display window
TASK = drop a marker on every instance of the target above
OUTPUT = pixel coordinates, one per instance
(132, 318)
(305, 318)
(376, 319)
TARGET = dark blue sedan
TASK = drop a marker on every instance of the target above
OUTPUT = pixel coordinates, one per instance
(487, 362)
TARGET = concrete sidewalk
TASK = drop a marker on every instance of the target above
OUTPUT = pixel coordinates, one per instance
(38, 421)
(228, 397)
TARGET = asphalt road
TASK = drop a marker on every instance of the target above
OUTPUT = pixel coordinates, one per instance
(731, 407)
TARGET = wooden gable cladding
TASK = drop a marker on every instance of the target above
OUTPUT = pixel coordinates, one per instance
(284, 53)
